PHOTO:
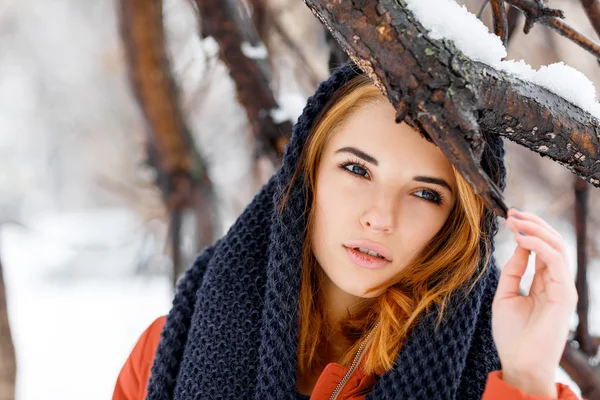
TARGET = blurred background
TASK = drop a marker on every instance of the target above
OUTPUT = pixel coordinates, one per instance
(96, 222)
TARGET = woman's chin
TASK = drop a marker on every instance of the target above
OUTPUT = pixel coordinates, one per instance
(359, 290)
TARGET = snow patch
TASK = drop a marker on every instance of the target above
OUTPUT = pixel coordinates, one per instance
(210, 45)
(290, 107)
(445, 19)
(258, 52)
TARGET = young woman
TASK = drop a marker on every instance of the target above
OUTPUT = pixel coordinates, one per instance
(363, 268)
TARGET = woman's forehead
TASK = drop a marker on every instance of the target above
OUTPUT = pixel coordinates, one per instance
(372, 129)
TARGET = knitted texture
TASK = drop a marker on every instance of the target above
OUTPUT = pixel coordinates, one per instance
(232, 332)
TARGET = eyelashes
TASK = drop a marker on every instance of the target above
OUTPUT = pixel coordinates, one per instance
(438, 199)
(359, 170)
(355, 167)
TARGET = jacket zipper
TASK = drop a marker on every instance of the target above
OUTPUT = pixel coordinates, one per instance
(353, 366)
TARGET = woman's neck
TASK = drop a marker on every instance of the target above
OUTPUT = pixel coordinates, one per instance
(339, 305)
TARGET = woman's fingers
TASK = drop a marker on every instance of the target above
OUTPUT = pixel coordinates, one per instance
(551, 262)
(559, 283)
(533, 218)
(511, 274)
(534, 229)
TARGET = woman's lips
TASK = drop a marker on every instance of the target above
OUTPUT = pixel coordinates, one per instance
(365, 260)
(367, 244)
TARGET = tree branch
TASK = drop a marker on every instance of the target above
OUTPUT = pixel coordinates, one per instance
(536, 11)
(252, 86)
(500, 21)
(451, 98)
(582, 334)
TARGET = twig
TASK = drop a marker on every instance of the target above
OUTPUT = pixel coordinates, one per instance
(482, 9)
(500, 22)
(539, 12)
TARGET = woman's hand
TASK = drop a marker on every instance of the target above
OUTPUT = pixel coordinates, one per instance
(531, 331)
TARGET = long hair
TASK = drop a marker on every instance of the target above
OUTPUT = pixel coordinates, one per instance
(448, 263)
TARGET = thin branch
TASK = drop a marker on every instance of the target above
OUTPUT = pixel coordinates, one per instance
(536, 11)
(500, 21)
(581, 212)
(482, 9)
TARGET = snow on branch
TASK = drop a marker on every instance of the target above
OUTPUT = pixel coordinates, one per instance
(443, 71)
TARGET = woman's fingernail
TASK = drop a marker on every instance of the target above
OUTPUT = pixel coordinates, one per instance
(521, 233)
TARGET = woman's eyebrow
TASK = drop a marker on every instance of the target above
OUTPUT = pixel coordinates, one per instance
(358, 153)
(435, 181)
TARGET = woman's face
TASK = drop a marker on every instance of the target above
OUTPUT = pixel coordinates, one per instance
(380, 188)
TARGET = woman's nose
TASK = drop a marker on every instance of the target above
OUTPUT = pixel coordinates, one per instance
(380, 217)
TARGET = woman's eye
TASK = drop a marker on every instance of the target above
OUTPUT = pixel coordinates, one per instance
(430, 196)
(357, 170)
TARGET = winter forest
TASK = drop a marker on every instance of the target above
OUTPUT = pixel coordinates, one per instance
(133, 133)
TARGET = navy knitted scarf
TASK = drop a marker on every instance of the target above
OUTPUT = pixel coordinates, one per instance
(232, 332)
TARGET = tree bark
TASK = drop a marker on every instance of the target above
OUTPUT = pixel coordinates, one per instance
(8, 362)
(452, 99)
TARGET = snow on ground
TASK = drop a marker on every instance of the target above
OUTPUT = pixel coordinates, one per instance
(446, 19)
(73, 328)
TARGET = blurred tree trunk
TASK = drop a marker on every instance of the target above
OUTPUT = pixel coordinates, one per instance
(8, 362)
(171, 150)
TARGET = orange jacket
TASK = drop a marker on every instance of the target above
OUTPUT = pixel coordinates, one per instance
(134, 376)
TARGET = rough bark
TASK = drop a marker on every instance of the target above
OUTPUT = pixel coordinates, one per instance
(8, 362)
(181, 172)
(451, 98)
(252, 86)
